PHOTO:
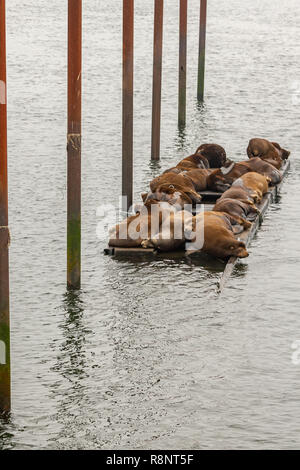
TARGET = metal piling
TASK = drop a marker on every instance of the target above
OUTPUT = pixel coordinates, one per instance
(5, 387)
(74, 144)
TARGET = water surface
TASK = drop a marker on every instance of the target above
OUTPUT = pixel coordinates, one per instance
(146, 355)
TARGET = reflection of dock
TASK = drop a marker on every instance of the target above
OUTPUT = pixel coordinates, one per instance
(209, 198)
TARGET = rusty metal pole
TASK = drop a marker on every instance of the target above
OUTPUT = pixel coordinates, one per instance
(4, 231)
(157, 74)
(182, 64)
(201, 59)
(74, 143)
(127, 108)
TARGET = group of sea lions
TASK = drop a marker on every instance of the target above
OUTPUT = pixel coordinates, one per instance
(165, 220)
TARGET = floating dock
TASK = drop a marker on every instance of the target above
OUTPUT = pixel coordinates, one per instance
(248, 235)
(209, 199)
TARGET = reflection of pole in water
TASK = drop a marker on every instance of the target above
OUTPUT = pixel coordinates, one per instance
(4, 232)
(71, 366)
(71, 350)
(180, 140)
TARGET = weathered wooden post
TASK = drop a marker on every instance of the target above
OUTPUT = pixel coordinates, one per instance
(74, 143)
(201, 59)
(157, 73)
(182, 64)
(4, 231)
(127, 107)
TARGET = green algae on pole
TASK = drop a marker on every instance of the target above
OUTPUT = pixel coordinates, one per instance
(201, 58)
(127, 104)
(74, 144)
(182, 63)
(157, 73)
(5, 402)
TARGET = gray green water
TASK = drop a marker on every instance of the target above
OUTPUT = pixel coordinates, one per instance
(146, 355)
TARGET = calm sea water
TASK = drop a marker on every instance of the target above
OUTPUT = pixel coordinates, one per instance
(147, 355)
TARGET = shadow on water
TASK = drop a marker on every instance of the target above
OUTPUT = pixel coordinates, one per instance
(143, 260)
(209, 269)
